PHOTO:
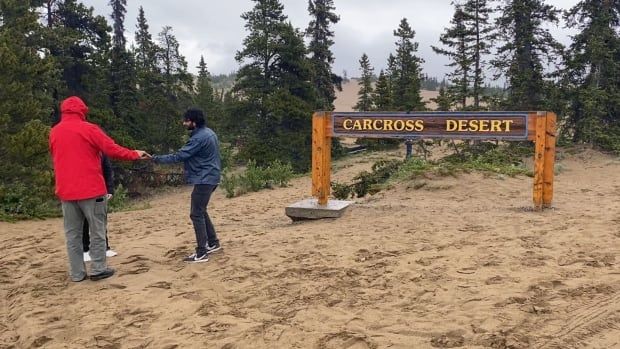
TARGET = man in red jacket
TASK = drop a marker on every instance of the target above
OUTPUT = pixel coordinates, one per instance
(76, 147)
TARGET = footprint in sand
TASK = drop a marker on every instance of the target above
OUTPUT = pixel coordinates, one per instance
(137, 264)
(346, 340)
(452, 339)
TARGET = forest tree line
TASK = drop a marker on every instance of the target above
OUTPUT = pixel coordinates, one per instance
(137, 89)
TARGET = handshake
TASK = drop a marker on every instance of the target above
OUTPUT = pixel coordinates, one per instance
(144, 155)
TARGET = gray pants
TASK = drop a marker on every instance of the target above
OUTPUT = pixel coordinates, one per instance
(74, 212)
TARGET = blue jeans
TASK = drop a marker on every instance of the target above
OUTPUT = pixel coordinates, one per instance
(205, 233)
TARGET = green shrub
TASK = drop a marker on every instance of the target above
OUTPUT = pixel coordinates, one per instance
(368, 182)
(229, 183)
(20, 201)
(226, 156)
(119, 200)
(341, 191)
(254, 178)
(279, 173)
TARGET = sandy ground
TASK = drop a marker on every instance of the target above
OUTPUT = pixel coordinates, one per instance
(459, 262)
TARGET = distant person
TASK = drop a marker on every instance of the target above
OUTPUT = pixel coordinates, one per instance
(76, 147)
(108, 176)
(201, 159)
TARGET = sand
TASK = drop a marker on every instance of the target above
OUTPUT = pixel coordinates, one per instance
(347, 98)
(460, 262)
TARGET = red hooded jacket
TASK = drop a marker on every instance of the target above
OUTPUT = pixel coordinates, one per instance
(76, 146)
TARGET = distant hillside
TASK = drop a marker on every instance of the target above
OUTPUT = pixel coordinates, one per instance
(347, 98)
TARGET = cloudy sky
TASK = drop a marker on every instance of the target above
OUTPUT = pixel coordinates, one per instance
(214, 28)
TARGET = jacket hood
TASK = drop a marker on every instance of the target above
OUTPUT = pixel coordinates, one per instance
(74, 105)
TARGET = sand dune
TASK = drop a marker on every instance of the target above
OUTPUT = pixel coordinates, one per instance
(461, 262)
(347, 98)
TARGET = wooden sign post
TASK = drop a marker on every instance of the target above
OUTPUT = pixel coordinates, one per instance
(539, 127)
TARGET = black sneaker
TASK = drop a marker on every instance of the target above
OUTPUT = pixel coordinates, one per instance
(214, 248)
(106, 274)
(194, 258)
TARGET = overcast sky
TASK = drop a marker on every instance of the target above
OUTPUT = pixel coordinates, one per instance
(214, 28)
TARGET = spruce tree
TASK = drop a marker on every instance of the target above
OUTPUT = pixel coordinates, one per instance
(205, 98)
(321, 57)
(276, 98)
(177, 89)
(477, 13)
(122, 71)
(26, 180)
(443, 100)
(526, 45)
(145, 49)
(80, 43)
(456, 39)
(152, 101)
(382, 97)
(407, 70)
(592, 74)
(365, 93)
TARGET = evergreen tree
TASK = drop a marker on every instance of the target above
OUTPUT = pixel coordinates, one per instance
(443, 100)
(476, 21)
(152, 102)
(321, 58)
(276, 98)
(177, 89)
(364, 99)
(456, 40)
(122, 71)
(80, 43)
(527, 44)
(26, 182)
(205, 98)
(145, 50)
(382, 97)
(406, 87)
(592, 74)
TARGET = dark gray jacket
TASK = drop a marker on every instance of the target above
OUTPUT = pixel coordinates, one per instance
(200, 156)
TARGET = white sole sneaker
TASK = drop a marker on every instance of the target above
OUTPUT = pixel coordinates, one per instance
(214, 249)
(110, 253)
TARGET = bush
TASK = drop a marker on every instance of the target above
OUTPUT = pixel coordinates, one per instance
(119, 199)
(229, 183)
(256, 178)
(279, 173)
(19, 201)
(341, 191)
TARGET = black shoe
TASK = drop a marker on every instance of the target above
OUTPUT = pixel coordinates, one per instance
(106, 274)
(213, 248)
(195, 258)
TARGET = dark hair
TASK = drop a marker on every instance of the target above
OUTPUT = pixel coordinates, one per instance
(196, 116)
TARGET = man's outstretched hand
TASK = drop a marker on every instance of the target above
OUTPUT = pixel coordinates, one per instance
(143, 155)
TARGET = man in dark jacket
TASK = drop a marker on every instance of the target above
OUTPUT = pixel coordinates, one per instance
(76, 147)
(201, 159)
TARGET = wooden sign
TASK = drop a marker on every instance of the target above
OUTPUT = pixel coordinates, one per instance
(451, 125)
(539, 127)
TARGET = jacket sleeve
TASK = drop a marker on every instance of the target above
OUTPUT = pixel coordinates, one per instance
(110, 148)
(187, 151)
(108, 174)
